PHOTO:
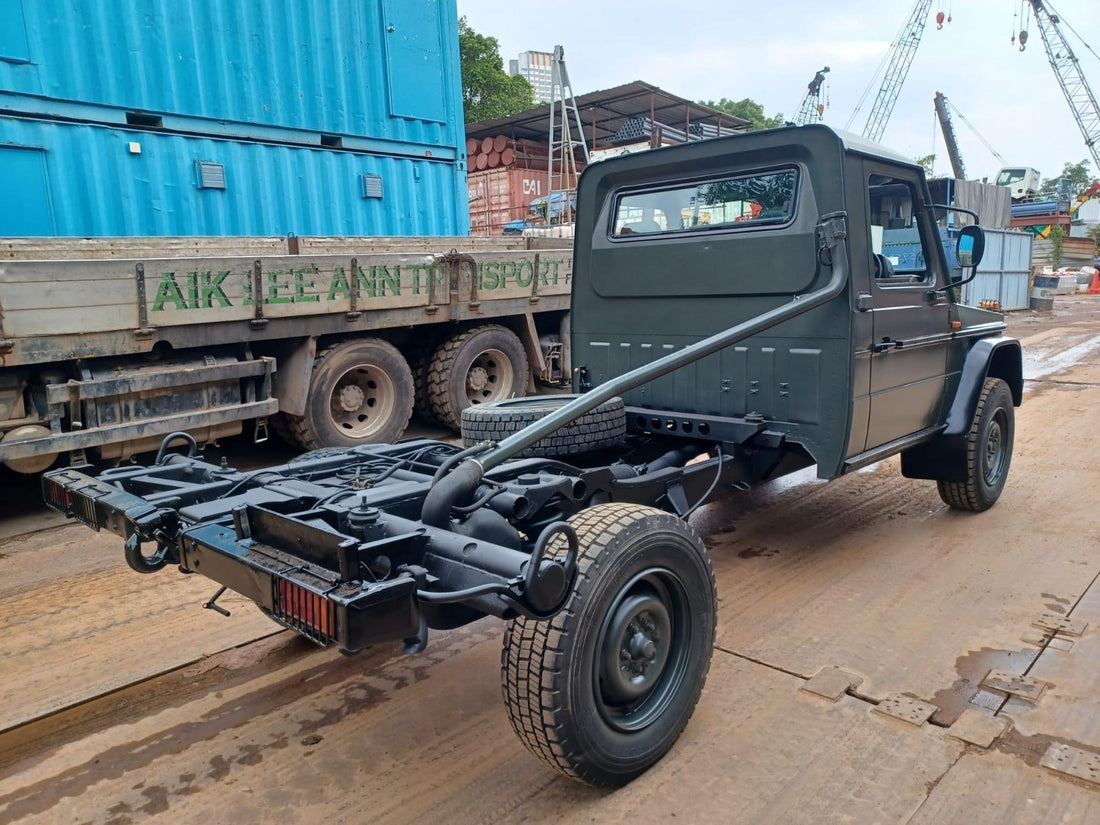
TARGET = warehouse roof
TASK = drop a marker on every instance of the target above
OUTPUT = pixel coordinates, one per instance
(608, 111)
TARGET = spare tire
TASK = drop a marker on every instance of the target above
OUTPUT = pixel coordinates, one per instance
(597, 429)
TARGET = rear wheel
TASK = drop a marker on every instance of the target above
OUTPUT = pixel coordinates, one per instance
(603, 690)
(478, 366)
(988, 451)
(361, 392)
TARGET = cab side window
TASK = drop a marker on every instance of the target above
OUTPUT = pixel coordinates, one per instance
(898, 255)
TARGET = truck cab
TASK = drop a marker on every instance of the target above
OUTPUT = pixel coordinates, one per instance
(676, 245)
(1022, 182)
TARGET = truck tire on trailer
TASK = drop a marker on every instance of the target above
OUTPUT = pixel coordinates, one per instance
(361, 392)
(602, 691)
(600, 428)
(420, 361)
(478, 366)
(988, 451)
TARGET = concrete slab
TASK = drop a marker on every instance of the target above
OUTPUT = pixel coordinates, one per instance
(99, 627)
(1001, 789)
(425, 739)
(978, 728)
(1070, 708)
(873, 574)
(832, 683)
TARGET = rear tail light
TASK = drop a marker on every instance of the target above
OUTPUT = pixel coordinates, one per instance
(71, 502)
(304, 611)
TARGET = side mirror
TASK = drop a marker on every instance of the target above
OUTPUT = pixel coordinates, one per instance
(970, 246)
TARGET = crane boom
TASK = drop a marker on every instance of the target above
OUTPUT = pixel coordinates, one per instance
(902, 51)
(1070, 77)
(810, 108)
(948, 129)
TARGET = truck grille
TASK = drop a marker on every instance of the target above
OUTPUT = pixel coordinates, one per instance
(304, 611)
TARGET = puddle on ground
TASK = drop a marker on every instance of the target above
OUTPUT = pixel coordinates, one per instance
(972, 668)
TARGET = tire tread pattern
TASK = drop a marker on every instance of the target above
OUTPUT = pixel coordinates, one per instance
(531, 665)
(598, 429)
(442, 365)
(964, 495)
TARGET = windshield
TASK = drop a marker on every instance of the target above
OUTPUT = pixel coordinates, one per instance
(1010, 176)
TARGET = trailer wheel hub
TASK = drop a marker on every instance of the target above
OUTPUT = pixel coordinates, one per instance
(489, 377)
(351, 398)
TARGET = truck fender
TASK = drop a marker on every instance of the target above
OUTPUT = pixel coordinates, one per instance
(944, 457)
(294, 357)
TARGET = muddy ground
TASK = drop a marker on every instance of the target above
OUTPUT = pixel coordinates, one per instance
(122, 701)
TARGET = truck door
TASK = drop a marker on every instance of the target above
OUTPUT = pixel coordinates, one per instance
(910, 320)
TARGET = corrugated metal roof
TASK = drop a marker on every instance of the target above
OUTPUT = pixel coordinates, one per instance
(605, 112)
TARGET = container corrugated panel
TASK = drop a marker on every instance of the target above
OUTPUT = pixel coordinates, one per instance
(74, 179)
(386, 69)
(500, 195)
(1004, 271)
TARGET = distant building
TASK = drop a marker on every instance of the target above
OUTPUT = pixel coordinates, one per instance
(537, 67)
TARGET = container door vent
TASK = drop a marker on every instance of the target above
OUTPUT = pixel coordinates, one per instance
(372, 186)
(211, 175)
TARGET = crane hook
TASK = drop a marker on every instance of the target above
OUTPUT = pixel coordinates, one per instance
(1023, 39)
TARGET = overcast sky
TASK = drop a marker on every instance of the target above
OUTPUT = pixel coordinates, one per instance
(768, 51)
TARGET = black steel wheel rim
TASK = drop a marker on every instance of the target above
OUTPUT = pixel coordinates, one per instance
(994, 451)
(642, 650)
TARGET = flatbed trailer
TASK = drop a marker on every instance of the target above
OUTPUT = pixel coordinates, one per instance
(108, 344)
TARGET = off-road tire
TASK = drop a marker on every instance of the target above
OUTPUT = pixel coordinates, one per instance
(598, 429)
(317, 429)
(552, 671)
(448, 393)
(420, 357)
(281, 428)
(994, 418)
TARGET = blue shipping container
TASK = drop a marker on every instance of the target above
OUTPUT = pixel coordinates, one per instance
(296, 101)
(89, 180)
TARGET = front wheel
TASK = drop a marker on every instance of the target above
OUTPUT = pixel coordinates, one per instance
(988, 451)
(603, 690)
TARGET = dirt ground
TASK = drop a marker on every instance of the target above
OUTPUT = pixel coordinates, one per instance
(122, 701)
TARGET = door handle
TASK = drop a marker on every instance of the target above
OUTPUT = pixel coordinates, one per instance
(885, 345)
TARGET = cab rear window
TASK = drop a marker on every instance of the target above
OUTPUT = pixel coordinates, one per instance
(745, 200)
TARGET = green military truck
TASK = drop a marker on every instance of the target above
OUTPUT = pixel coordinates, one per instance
(734, 319)
(108, 344)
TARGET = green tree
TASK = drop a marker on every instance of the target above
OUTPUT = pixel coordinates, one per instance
(929, 164)
(747, 109)
(1057, 242)
(1074, 179)
(487, 90)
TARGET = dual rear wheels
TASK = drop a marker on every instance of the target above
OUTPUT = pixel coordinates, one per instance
(364, 390)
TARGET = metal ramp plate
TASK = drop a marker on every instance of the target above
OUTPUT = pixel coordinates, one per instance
(905, 708)
(1073, 762)
(1061, 624)
(1014, 684)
